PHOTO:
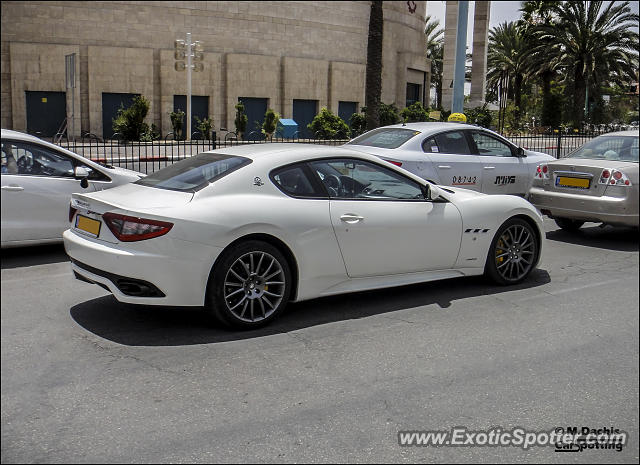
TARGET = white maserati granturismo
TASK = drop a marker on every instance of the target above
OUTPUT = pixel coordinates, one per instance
(244, 230)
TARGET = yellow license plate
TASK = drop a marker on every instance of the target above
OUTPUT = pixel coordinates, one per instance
(564, 181)
(88, 225)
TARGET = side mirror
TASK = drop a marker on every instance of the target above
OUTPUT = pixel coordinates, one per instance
(434, 193)
(82, 173)
(520, 153)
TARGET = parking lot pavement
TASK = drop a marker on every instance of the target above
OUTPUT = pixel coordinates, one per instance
(87, 379)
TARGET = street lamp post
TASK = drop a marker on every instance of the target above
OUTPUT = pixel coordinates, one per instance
(192, 52)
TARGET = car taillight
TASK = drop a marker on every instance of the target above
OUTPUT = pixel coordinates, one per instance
(393, 162)
(542, 171)
(616, 178)
(130, 228)
(604, 177)
(72, 212)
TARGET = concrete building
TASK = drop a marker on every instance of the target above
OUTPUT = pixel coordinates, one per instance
(294, 57)
(479, 50)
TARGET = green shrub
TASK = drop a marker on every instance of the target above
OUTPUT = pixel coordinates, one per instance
(414, 113)
(129, 122)
(326, 125)
(358, 123)
(177, 117)
(241, 120)
(480, 116)
(204, 126)
(271, 119)
(388, 114)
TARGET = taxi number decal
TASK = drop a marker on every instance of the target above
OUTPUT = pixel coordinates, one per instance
(463, 180)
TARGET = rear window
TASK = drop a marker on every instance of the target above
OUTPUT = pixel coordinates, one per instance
(614, 148)
(194, 173)
(385, 138)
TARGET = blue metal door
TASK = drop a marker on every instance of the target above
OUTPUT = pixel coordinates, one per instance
(46, 112)
(303, 113)
(346, 109)
(110, 105)
(254, 108)
(199, 108)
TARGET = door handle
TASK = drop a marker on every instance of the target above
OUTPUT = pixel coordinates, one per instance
(351, 218)
(12, 188)
(489, 167)
(444, 166)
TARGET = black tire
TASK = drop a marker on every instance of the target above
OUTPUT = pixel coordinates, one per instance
(568, 225)
(239, 296)
(515, 242)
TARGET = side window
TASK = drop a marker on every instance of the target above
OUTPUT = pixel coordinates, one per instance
(430, 146)
(34, 160)
(360, 180)
(491, 146)
(453, 142)
(293, 180)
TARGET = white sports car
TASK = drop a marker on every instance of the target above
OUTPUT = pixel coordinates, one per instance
(38, 179)
(454, 154)
(243, 230)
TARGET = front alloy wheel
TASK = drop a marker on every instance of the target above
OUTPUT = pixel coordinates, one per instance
(513, 253)
(250, 285)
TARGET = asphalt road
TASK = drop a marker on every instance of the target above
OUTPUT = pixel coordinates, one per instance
(87, 379)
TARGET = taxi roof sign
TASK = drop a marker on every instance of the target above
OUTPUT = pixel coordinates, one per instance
(457, 117)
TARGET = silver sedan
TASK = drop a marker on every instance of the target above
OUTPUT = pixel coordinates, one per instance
(598, 183)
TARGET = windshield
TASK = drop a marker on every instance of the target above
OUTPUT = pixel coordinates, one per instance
(385, 138)
(614, 148)
(194, 173)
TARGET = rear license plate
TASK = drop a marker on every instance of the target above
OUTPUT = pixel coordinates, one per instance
(580, 183)
(88, 225)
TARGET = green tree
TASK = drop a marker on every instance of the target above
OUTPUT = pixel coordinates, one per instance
(270, 123)
(204, 126)
(596, 43)
(388, 114)
(240, 120)
(507, 60)
(129, 122)
(435, 52)
(177, 118)
(373, 85)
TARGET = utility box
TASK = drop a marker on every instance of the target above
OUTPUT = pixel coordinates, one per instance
(287, 129)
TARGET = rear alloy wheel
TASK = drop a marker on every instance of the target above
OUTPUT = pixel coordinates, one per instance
(251, 285)
(513, 253)
(568, 225)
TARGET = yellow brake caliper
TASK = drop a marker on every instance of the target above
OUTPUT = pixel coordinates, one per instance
(500, 250)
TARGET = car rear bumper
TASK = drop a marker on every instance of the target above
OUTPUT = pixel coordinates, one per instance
(605, 209)
(162, 271)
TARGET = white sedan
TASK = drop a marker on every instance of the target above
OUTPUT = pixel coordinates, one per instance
(243, 230)
(454, 154)
(38, 179)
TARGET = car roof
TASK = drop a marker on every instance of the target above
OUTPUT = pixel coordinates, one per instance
(431, 127)
(289, 151)
(621, 133)
(11, 134)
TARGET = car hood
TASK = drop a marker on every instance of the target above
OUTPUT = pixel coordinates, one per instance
(460, 193)
(539, 156)
(134, 175)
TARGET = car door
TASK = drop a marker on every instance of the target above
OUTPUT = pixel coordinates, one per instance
(503, 171)
(36, 189)
(383, 223)
(453, 160)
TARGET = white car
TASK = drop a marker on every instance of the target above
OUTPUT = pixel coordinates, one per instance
(243, 230)
(38, 179)
(454, 154)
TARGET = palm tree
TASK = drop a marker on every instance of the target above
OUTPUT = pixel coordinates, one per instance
(507, 61)
(373, 85)
(595, 43)
(435, 51)
(535, 15)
